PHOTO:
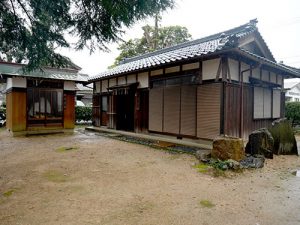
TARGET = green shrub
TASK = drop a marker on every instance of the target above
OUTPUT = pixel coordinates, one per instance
(3, 110)
(292, 112)
(83, 113)
(284, 138)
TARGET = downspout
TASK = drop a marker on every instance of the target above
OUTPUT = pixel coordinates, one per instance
(242, 98)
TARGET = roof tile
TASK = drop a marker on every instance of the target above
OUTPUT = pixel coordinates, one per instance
(203, 46)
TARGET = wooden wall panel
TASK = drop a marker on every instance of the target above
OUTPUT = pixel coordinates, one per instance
(112, 112)
(156, 109)
(188, 110)
(171, 110)
(96, 110)
(208, 110)
(249, 123)
(69, 110)
(16, 110)
(232, 112)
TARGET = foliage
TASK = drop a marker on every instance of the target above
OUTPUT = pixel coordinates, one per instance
(207, 204)
(55, 176)
(202, 168)
(151, 41)
(83, 113)
(219, 164)
(292, 112)
(284, 138)
(31, 30)
(2, 110)
(3, 105)
(66, 149)
(8, 193)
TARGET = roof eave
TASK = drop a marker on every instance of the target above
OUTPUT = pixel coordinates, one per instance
(9, 75)
(198, 57)
(264, 61)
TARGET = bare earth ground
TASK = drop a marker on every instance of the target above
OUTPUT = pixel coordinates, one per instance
(105, 181)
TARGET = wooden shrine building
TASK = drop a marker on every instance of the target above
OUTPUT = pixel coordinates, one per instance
(40, 101)
(227, 83)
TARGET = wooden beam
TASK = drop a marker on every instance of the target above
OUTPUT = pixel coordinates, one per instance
(228, 70)
(224, 69)
(200, 73)
(219, 71)
(260, 73)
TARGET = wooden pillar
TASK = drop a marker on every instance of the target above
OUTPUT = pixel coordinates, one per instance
(69, 109)
(224, 68)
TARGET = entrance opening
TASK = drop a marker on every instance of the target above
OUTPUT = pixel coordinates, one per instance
(125, 111)
(123, 106)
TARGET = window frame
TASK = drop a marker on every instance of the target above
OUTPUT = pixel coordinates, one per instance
(264, 106)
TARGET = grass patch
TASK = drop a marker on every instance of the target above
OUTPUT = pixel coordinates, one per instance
(66, 149)
(210, 170)
(9, 192)
(55, 176)
(207, 204)
(202, 168)
(76, 189)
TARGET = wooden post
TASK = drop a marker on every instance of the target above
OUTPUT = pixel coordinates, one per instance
(224, 69)
(228, 70)
(219, 71)
(200, 73)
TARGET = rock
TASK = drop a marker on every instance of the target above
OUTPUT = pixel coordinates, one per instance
(256, 161)
(284, 138)
(260, 142)
(228, 148)
(232, 164)
(202, 156)
(224, 166)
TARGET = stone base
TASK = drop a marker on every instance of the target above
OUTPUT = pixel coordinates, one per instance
(41, 132)
(228, 148)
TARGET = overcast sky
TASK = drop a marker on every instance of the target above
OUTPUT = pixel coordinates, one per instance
(278, 23)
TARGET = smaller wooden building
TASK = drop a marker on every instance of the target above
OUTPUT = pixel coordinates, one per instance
(42, 100)
(227, 83)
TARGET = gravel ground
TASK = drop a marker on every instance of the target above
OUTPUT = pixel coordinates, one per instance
(90, 179)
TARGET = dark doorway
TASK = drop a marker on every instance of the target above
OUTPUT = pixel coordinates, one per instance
(142, 107)
(125, 111)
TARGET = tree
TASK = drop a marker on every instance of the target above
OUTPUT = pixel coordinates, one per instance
(31, 30)
(292, 112)
(152, 40)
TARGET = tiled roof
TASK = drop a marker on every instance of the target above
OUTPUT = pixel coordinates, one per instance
(14, 69)
(211, 44)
